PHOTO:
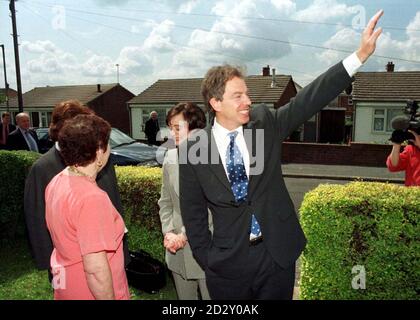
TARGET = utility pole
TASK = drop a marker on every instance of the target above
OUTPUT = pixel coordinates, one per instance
(6, 85)
(118, 73)
(16, 47)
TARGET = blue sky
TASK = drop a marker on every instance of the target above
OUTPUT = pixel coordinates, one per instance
(80, 42)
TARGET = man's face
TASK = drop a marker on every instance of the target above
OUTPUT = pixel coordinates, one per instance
(233, 111)
(154, 116)
(23, 122)
(6, 119)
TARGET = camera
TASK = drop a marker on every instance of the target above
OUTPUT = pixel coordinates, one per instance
(409, 121)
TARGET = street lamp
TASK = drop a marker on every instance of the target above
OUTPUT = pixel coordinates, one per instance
(6, 85)
(118, 73)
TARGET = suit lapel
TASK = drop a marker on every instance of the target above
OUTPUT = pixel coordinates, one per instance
(250, 135)
(216, 168)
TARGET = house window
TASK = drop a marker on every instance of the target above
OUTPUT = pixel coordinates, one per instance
(45, 119)
(391, 114)
(382, 119)
(350, 101)
(35, 119)
(379, 120)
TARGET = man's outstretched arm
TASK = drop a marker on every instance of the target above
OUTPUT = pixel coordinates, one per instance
(327, 86)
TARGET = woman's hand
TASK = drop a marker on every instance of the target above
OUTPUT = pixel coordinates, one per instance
(173, 242)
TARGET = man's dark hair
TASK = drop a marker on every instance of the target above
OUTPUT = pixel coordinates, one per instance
(214, 83)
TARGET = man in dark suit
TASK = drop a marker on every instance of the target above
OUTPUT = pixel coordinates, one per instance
(152, 128)
(41, 173)
(22, 138)
(257, 237)
(5, 128)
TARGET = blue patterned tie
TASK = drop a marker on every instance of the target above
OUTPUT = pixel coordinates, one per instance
(238, 178)
(31, 141)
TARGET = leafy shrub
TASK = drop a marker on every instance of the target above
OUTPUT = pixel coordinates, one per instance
(14, 166)
(374, 226)
(140, 191)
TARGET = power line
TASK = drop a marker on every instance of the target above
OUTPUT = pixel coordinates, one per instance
(243, 17)
(62, 31)
(184, 45)
(244, 36)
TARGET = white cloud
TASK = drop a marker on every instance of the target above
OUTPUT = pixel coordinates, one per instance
(98, 66)
(345, 39)
(159, 38)
(349, 39)
(286, 6)
(223, 43)
(188, 7)
(134, 60)
(39, 46)
(323, 10)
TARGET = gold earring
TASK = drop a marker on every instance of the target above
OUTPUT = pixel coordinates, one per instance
(99, 163)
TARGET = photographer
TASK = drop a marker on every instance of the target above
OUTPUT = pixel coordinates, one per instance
(408, 160)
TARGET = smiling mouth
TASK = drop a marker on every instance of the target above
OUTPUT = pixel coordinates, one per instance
(244, 112)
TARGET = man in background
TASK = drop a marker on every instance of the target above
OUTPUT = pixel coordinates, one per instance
(152, 128)
(22, 138)
(5, 128)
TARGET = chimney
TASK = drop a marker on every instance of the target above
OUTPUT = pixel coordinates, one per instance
(98, 87)
(273, 81)
(390, 67)
(266, 71)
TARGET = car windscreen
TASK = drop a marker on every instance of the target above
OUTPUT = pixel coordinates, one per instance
(119, 138)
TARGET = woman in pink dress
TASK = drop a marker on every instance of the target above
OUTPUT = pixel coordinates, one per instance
(87, 261)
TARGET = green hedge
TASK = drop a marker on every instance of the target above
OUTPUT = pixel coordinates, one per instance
(139, 188)
(140, 191)
(361, 227)
(14, 166)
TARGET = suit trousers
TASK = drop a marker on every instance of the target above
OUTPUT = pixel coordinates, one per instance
(187, 289)
(262, 279)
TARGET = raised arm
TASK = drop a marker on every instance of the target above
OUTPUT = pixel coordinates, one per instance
(327, 86)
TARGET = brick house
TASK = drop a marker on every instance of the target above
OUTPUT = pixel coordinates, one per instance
(378, 97)
(107, 100)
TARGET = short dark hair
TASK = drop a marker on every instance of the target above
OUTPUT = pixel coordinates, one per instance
(214, 83)
(63, 111)
(191, 112)
(80, 138)
(4, 114)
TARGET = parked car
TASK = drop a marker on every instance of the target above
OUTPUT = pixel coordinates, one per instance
(45, 143)
(125, 150)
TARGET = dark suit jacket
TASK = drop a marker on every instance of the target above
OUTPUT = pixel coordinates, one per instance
(12, 128)
(16, 141)
(206, 185)
(151, 129)
(41, 173)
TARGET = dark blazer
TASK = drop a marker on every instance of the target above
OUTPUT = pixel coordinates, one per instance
(16, 141)
(12, 128)
(151, 129)
(41, 173)
(205, 186)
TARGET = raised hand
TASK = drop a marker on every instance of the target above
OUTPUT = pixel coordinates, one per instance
(369, 37)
